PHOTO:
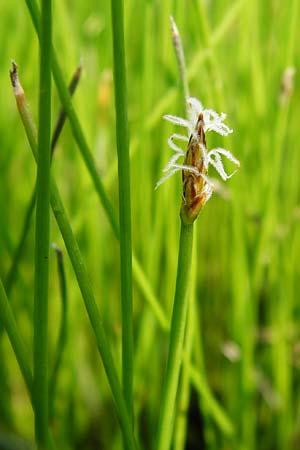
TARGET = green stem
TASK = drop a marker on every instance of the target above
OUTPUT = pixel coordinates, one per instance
(14, 337)
(184, 394)
(13, 271)
(42, 230)
(62, 116)
(124, 200)
(62, 337)
(184, 388)
(11, 276)
(165, 425)
(93, 312)
(181, 421)
(11, 327)
(81, 275)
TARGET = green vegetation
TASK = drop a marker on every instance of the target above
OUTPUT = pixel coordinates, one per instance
(239, 384)
(42, 233)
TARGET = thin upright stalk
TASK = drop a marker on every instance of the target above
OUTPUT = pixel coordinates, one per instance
(62, 116)
(184, 394)
(179, 314)
(11, 276)
(80, 272)
(17, 344)
(42, 230)
(166, 420)
(13, 271)
(184, 85)
(124, 200)
(11, 327)
(63, 330)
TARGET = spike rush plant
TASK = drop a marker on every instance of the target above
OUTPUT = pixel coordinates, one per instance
(197, 189)
(200, 349)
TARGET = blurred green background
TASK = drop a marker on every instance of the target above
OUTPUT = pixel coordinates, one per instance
(243, 59)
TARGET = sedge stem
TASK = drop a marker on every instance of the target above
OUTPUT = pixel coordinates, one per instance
(124, 200)
(178, 322)
(42, 231)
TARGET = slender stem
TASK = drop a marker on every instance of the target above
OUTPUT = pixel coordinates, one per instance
(11, 327)
(179, 315)
(11, 276)
(14, 337)
(124, 200)
(81, 275)
(178, 323)
(184, 394)
(184, 88)
(93, 312)
(62, 116)
(62, 337)
(40, 371)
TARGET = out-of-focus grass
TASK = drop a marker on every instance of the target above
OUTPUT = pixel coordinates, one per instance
(246, 319)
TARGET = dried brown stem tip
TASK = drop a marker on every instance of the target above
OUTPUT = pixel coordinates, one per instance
(22, 105)
(14, 77)
(174, 29)
(14, 74)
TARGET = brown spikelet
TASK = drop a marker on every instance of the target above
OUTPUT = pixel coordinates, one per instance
(194, 192)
